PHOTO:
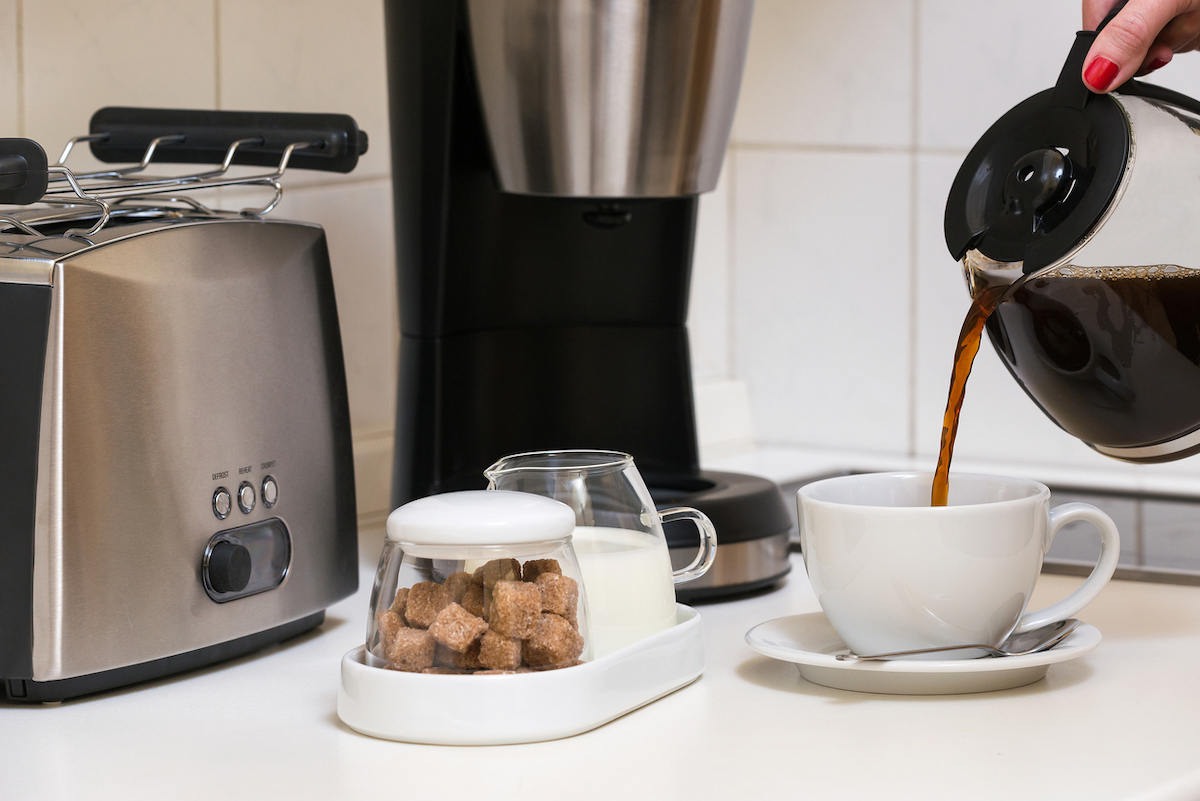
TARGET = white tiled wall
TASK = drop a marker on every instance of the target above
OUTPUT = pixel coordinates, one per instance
(820, 280)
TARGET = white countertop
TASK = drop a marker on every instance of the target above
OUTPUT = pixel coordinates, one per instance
(1121, 723)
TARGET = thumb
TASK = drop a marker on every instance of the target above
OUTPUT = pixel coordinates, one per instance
(1120, 49)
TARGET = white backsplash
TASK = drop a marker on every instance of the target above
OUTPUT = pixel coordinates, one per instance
(821, 291)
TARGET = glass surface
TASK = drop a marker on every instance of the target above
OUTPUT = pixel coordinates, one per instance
(455, 609)
(618, 538)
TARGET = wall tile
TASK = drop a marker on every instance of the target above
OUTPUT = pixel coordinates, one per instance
(1080, 541)
(828, 73)
(9, 116)
(81, 55)
(708, 306)
(979, 58)
(822, 296)
(303, 55)
(1170, 537)
(358, 225)
(998, 421)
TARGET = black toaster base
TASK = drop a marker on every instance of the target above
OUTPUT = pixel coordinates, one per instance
(26, 690)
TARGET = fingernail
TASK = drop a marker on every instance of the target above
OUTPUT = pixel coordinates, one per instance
(1100, 73)
(1156, 63)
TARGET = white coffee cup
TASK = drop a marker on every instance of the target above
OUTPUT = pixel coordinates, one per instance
(895, 574)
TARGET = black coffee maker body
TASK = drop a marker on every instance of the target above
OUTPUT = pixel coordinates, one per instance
(547, 160)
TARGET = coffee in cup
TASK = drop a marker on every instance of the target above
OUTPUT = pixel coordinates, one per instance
(893, 573)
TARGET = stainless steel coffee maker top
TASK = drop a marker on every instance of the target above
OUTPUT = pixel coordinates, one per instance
(609, 98)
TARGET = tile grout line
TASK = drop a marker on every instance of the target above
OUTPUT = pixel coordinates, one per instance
(217, 53)
(914, 229)
(825, 147)
(730, 265)
(20, 36)
(821, 147)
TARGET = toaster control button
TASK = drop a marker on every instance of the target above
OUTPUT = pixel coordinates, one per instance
(222, 503)
(270, 491)
(246, 497)
(229, 567)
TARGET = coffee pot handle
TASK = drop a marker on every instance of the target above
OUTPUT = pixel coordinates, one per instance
(708, 542)
(1110, 552)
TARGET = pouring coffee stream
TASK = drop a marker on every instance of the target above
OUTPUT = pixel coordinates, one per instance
(981, 309)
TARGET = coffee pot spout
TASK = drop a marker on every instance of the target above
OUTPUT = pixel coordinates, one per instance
(981, 272)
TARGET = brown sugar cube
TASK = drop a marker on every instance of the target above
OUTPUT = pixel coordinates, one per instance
(387, 623)
(554, 644)
(496, 672)
(456, 628)
(515, 608)
(400, 602)
(425, 600)
(411, 651)
(560, 594)
(493, 571)
(472, 600)
(536, 567)
(467, 660)
(457, 583)
(497, 570)
(499, 652)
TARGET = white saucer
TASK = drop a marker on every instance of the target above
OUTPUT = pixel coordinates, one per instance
(810, 642)
(524, 707)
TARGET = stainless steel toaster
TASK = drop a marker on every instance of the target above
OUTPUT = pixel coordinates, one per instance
(176, 475)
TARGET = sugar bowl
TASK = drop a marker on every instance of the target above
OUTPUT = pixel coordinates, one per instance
(479, 582)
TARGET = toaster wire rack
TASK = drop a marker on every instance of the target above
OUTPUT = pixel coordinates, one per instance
(218, 139)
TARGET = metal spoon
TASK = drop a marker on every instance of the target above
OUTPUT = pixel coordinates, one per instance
(1030, 642)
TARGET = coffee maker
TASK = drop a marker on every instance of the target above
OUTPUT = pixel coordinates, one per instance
(547, 159)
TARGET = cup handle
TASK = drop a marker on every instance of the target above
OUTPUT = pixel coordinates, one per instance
(1110, 552)
(708, 542)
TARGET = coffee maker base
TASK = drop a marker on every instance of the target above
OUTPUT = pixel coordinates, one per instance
(753, 531)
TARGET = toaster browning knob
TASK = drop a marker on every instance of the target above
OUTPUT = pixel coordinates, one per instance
(229, 567)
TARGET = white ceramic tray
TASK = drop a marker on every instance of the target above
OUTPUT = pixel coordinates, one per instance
(522, 707)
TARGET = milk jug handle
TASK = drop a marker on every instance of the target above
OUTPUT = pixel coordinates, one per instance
(708, 542)
(1110, 552)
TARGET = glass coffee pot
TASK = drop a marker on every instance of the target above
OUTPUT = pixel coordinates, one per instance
(1085, 207)
(618, 538)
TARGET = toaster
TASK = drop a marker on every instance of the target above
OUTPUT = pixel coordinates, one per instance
(176, 474)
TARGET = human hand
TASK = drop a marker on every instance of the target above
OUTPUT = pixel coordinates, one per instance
(1144, 36)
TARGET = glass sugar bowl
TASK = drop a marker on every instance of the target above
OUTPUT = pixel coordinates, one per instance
(478, 582)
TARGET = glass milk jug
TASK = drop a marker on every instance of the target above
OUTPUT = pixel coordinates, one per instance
(618, 538)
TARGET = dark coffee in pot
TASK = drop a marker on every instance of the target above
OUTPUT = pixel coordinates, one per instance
(1110, 354)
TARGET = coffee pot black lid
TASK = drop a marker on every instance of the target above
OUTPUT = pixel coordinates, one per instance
(1043, 175)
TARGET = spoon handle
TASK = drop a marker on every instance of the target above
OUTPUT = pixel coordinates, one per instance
(865, 657)
(1061, 630)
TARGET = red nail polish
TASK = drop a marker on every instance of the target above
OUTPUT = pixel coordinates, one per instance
(1100, 73)
(1156, 63)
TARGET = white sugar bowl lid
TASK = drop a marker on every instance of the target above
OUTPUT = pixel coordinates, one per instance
(481, 517)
